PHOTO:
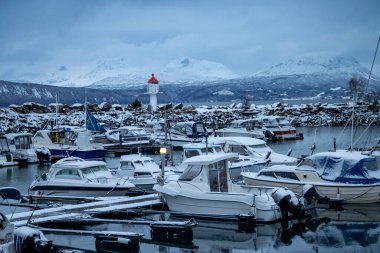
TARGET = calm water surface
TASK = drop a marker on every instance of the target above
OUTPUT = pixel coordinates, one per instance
(354, 229)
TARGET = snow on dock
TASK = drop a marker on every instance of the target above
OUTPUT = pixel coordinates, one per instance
(78, 210)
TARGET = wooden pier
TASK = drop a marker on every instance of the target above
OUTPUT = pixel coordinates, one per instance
(100, 206)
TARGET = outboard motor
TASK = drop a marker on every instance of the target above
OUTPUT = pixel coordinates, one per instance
(30, 240)
(309, 195)
(287, 201)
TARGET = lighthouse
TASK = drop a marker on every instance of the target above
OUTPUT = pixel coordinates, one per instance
(152, 90)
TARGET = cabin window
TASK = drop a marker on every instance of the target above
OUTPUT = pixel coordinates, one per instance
(190, 173)
(286, 175)
(267, 174)
(68, 173)
(218, 149)
(22, 142)
(126, 166)
(238, 149)
(93, 169)
(218, 177)
(4, 145)
(142, 174)
(370, 166)
(191, 153)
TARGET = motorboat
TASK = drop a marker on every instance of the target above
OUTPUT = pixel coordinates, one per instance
(68, 141)
(242, 163)
(22, 148)
(278, 128)
(342, 175)
(75, 176)
(142, 170)
(254, 148)
(182, 133)
(129, 139)
(205, 189)
(241, 128)
(6, 157)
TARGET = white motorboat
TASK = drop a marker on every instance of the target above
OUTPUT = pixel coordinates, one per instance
(66, 142)
(74, 176)
(22, 148)
(205, 189)
(183, 133)
(6, 157)
(142, 170)
(241, 128)
(277, 128)
(343, 175)
(254, 148)
(129, 139)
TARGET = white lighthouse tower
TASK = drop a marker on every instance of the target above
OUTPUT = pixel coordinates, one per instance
(152, 90)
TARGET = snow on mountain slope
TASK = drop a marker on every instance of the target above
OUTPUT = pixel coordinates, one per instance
(317, 65)
(177, 71)
(118, 73)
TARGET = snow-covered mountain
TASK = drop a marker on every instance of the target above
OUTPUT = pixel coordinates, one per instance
(118, 73)
(177, 71)
(342, 66)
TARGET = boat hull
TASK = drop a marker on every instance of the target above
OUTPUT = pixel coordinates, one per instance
(348, 193)
(97, 154)
(221, 206)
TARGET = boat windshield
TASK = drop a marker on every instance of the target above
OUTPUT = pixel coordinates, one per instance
(218, 149)
(283, 122)
(260, 148)
(191, 153)
(190, 173)
(93, 169)
(4, 145)
(371, 167)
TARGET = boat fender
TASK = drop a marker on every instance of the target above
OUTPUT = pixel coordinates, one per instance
(160, 180)
(30, 240)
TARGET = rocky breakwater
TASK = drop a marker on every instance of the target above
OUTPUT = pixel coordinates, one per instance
(30, 117)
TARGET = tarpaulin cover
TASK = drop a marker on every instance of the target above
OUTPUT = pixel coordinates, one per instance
(346, 167)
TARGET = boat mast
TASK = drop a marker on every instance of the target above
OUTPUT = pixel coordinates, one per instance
(85, 108)
(56, 110)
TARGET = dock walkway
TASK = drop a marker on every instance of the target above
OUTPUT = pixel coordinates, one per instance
(79, 210)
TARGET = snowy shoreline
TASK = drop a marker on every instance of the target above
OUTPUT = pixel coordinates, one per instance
(30, 117)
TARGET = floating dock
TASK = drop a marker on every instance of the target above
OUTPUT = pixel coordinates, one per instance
(100, 206)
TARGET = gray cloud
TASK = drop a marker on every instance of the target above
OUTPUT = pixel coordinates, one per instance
(246, 36)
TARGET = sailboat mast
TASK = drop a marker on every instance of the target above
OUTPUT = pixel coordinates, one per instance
(56, 110)
(85, 107)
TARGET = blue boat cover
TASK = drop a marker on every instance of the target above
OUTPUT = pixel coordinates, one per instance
(10, 193)
(346, 167)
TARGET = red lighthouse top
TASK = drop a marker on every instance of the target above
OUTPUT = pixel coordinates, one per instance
(153, 80)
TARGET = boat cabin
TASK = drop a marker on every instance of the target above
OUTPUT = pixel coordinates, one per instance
(137, 165)
(212, 169)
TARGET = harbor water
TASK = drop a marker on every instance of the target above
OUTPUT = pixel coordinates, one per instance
(353, 229)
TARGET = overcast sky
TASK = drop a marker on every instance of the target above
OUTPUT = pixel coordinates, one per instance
(245, 36)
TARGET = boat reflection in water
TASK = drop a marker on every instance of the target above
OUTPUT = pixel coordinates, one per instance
(310, 235)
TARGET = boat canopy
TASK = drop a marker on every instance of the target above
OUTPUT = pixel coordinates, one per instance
(346, 167)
